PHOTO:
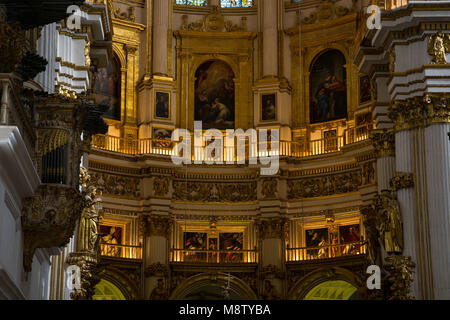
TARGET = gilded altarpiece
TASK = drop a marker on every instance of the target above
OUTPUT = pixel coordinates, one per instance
(307, 44)
(197, 47)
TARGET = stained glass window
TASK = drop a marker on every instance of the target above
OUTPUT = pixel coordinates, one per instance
(201, 3)
(236, 3)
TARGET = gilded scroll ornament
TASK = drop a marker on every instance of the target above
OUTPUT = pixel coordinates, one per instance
(88, 264)
(128, 15)
(390, 224)
(437, 108)
(12, 44)
(400, 279)
(49, 218)
(402, 180)
(157, 270)
(438, 47)
(384, 142)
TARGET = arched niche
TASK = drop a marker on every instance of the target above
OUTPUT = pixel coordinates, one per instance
(328, 98)
(210, 287)
(328, 284)
(106, 290)
(214, 95)
(108, 83)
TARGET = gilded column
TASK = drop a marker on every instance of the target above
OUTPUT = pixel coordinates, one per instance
(384, 144)
(272, 233)
(156, 231)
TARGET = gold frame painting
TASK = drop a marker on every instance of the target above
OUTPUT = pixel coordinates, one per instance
(155, 100)
(275, 100)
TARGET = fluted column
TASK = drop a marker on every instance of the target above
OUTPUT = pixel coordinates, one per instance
(270, 37)
(384, 144)
(161, 12)
(437, 157)
(272, 234)
(156, 255)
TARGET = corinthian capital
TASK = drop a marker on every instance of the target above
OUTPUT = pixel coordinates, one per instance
(159, 226)
(272, 228)
(402, 180)
(383, 142)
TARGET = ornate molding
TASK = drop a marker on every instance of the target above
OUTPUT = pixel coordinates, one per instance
(439, 47)
(156, 270)
(327, 10)
(214, 22)
(269, 189)
(215, 191)
(400, 279)
(88, 264)
(12, 46)
(402, 180)
(272, 228)
(161, 186)
(116, 185)
(159, 226)
(437, 108)
(384, 142)
(127, 15)
(327, 185)
(49, 218)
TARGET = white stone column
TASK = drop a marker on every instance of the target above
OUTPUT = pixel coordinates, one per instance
(270, 37)
(161, 15)
(437, 157)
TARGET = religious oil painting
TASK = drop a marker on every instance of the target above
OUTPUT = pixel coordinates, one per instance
(111, 237)
(268, 107)
(231, 242)
(317, 238)
(194, 243)
(350, 236)
(107, 88)
(364, 89)
(162, 138)
(328, 88)
(162, 105)
(215, 95)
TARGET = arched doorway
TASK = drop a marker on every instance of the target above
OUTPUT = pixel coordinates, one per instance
(210, 287)
(105, 290)
(332, 290)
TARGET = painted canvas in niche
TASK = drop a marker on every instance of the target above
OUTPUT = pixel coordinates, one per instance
(230, 242)
(195, 241)
(214, 95)
(162, 138)
(268, 109)
(110, 236)
(317, 238)
(328, 87)
(350, 236)
(107, 88)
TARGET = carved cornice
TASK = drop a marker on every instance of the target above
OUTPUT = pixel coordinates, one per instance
(384, 142)
(272, 228)
(49, 219)
(402, 180)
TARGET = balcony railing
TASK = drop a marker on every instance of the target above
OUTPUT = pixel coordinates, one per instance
(121, 251)
(294, 149)
(214, 256)
(326, 252)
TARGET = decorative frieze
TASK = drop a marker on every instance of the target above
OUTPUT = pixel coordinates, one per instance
(214, 22)
(157, 270)
(384, 142)
(402, 180)
(338, 183)
(272, 228)
(214, 191)
(116, 185)
(161, 186)
(269, 189)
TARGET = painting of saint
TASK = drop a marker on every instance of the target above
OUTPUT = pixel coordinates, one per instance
(110, 236)
(364, 89)
(350, 236)
(214, 95)
(328, 87)
(268, 104)
(231, 242)
(107, 88)
(195, 242)
(162, 138)
(162, 105)
(212, 246)
(317, 238)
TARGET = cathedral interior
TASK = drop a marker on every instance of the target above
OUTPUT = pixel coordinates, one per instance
(224, 149)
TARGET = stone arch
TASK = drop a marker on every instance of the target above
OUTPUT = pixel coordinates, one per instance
(312, 280)
(120, 280)
(208, 287)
